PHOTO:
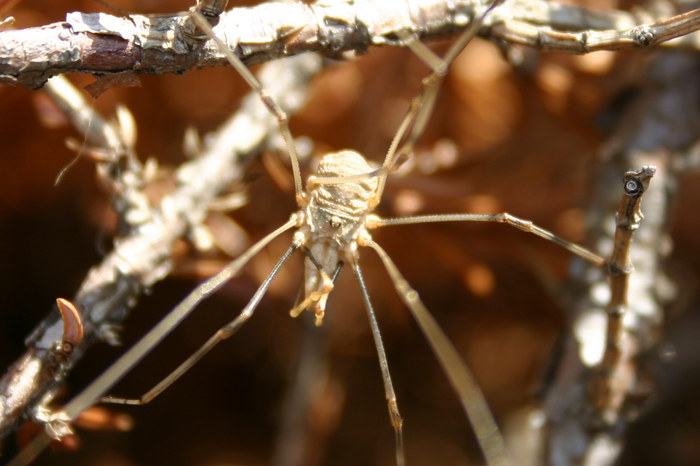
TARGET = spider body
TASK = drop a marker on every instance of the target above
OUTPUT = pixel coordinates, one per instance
(333, 220)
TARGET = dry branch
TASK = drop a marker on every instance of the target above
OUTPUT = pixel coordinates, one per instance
(612, 381)
(141, 259)
(104, 44)
(659, 127)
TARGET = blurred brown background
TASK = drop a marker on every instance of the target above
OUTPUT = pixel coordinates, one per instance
(518, 140)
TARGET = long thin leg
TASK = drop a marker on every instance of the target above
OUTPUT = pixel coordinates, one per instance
(220, 335)
(92, 393)
(270, 103)
(462, 380)
(394, 415)
(517, 222)
(422, 105)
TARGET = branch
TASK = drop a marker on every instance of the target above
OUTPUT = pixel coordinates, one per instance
(591, 40)
(103, 44)
(614, 377)
(659, 128)
(141, 259)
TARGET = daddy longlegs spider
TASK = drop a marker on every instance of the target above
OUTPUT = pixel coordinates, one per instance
(334, 220)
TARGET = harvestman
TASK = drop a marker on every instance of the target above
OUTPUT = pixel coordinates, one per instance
(333, 221)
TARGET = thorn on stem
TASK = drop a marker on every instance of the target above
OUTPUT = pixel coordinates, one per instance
(72, 323)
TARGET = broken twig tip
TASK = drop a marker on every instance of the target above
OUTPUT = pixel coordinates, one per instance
(637, 181)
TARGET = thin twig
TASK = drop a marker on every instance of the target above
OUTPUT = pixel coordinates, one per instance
(612, 381)
(590, 40)
(111, 145)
